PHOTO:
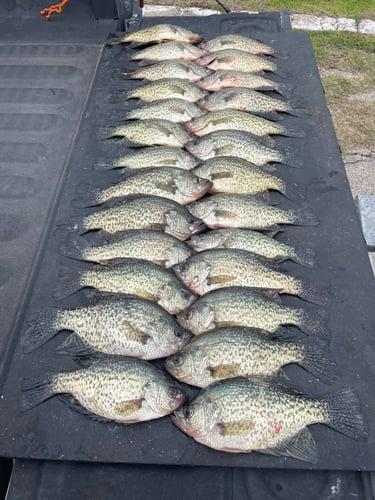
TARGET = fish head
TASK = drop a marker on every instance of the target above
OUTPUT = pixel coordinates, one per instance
(163, 396)
(176, 254)
(168, 334)
(187, 160)
(203, 209)
(205, 102)
(187, 35)
(192, 186)
(181, 134)
(182, 225)
(203, 148)
(199, 318)
(197, 123)
(198, 418)
(186, 364)
(174, 299)
(211, 239)
(194, 272)
(205, 60)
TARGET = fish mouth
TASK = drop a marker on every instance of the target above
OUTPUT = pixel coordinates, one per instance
(179, 420)
(197, 227)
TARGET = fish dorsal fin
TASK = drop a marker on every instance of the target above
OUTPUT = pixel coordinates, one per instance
(301, 446)
(236, 428)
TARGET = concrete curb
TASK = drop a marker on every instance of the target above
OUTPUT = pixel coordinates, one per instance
(299, 21)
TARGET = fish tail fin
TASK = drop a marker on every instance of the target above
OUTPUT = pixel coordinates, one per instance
(289, 132)
(73, 224)
(118, 96)
(319, 362)
(292, 191)
(38, 392)
(304, 216)
(290, 159)
(285, 90)
(88, 196)
(313, 323)
(281, 73)
(280, 54)
(101, 165)
(344, 414)
(298, 110)
(42, 327)
(305, 257)
(69, 283)
(317, 294)
(104, 133)
(116, 40)
(74, 248)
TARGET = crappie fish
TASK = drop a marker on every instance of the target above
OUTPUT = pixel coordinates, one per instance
(231, 78)
(247, 212)
(232, 119)
(187, 70)
(227, 267)
(168, 51)
(166, 88)
(238, 60)
(242, 43)
(244, 415)
(155, 246)
(152, 156)
(139, 212)
(177, 111)
(148, 133)
(158, 33)
(241, 144)
(235, 175)
(240, 306)
(254, 242)
(125, 390)
(117, 326)
(176, 184)
(244, 99)
(133, 277)
(243, 352)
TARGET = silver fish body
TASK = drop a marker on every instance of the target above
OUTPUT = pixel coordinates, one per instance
(177, 111)
(168, 51)
(166, 88)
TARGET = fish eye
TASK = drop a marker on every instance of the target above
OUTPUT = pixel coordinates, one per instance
(173, 392)
(183, 267)
(188, 412)
(178, 359)
(179, 332)
(197, 180)
(186, 294)
(188, 314)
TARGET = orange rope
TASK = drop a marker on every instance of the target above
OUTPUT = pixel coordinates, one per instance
(48, 11)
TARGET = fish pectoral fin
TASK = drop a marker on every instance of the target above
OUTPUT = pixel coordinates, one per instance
(164, 130)
(220, 280)
(236, 428)
(177, 110)
(144, 294)
(175, 89)
(169, 187)
(218, 121)
(226, 214)
(222, 175)
(301, 446)
(73, 346)
(224, 371)
(223, 150)
(224, 59)
(125, 408)
(135, 334)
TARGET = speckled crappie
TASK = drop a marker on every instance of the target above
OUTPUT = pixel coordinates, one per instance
(176, 184)
(168, 51)
(166, 88)
(234, 59)
(134, 277)
(231, 78)
(241, 144)
(232, 119)
(244, 99)
(252, 241)
(247, 212)
(139, 212)
(125, 390)
(244, 415)
(244, 43)
(227, 267)
(147, 244)
(152, 156)
(187, 70)
(235, 175)
(148, 133)
(127, 326)
(244, 352)
(239, 306)
(158, 33)
(176, 110)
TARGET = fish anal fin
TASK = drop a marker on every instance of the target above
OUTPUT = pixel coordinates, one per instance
(76, 406)
(301, 446)
(237, 428)
(73, 346)
(224, 371)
